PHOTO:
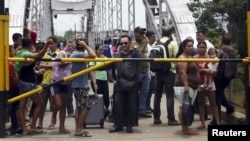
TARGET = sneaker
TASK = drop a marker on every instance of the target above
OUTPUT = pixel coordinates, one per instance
(173, 122)
(148, 112)
(157, 121)
(212, 122)
(230, 111)
(16, 131)
(71, 115)
(144, 115)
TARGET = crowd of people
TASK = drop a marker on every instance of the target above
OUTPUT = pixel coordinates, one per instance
(134, 82)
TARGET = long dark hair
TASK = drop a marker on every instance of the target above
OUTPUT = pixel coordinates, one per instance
(183, 45)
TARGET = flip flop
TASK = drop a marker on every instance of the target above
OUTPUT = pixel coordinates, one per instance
(35, 132)
(51, 126)
(84, 134)
(201, 127)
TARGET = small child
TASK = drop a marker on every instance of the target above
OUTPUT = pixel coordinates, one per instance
(208, 79)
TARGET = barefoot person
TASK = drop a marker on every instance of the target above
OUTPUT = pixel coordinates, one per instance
(187, 80)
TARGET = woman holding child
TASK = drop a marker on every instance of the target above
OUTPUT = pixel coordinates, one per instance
(207, 86)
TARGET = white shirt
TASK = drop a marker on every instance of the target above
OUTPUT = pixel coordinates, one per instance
(150, 46)
(209, 45)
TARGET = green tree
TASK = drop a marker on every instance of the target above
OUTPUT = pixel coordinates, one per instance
(220, 16)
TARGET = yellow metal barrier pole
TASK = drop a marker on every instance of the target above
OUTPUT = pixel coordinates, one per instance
(7, 54)
(245, 60)
(4, 34)
(70, 77)
(247, 70)
(98, 66)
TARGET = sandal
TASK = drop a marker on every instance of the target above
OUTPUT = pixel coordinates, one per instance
(84, 134)
(52, 126)
(201, 127)
(34, 132)
(27, 124)
(38, 127)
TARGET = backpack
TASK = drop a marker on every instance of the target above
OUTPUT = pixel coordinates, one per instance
(160, 50)
(228, 69)
(107, 50)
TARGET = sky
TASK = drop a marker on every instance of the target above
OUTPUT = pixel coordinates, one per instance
(66, 22)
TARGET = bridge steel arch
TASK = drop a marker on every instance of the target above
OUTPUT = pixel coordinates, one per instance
(166, 13)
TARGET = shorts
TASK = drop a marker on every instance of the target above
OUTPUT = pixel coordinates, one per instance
(212, 87)
(82, 98)
(179, 91)
(26, 86)
(58, 89)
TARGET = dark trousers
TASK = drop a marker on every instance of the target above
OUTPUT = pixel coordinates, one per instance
(150, 92)
(125, 106)
(13, 107)
(221, 83)
(70, 108)
(164, 79)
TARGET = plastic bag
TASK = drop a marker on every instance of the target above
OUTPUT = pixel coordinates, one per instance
(187, 110)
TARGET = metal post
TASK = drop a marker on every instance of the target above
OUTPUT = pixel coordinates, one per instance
(131, 16)
(4, 44)
(2, 7)
(247, 97)
(119, 16)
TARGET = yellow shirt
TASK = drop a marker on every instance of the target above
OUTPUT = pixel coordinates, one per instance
(48, 72)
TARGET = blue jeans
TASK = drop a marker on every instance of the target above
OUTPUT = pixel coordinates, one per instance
(13, 107)
(164, 79)
(221, 83)
(144, 81)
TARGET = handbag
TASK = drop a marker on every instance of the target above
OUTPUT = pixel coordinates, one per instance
(187, 110)
(126, 85)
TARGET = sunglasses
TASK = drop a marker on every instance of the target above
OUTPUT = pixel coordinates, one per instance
(125, 43)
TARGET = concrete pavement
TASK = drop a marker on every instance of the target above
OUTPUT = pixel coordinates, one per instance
(146, 131)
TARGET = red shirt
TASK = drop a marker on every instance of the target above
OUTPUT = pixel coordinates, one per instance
(12, 75)
(202, 65)
(33, 37)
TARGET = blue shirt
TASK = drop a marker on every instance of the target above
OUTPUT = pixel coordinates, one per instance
(81, 81)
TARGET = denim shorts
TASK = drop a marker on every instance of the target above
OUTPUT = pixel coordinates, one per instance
(25, 86)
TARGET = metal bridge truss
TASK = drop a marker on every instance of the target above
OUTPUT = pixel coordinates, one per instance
(40, 19)
(104, 17)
